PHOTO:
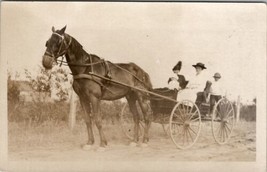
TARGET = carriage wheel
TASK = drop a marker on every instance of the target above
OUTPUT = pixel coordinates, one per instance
(222, 121)
(185, 124)
(127, 122)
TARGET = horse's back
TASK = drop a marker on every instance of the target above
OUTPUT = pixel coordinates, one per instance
(140, 77)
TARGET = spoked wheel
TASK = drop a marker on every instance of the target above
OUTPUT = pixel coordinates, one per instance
(127, 122)
(185, 124)
(222, 121)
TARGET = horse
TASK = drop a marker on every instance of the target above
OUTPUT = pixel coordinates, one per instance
(91, 89)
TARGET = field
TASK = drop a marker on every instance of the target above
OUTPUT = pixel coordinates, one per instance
(54, 141)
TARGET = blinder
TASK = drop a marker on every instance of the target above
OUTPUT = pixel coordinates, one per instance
(49, 58)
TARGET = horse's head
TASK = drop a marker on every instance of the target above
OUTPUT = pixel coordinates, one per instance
(56, 46)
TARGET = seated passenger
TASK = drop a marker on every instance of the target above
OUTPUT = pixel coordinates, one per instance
(178, 82)
(216, 91)
(195, 86)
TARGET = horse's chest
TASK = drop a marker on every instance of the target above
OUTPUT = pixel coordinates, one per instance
(87, 87)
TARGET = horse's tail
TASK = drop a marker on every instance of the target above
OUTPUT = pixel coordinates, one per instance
(143, 76)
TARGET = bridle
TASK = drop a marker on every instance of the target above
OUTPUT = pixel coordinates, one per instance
(63, 42)
(91, 63)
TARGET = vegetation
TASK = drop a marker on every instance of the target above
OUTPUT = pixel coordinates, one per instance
(248, 112)
(39, 111)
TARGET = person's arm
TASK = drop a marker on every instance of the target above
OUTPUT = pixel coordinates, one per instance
(182, 81)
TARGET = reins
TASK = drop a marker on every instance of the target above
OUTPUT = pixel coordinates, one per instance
(94, 63)
(78, 64)
(65, 63)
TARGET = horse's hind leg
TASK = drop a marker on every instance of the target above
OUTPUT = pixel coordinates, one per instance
(145, 107)
(98, 120)
(132, 104)
(88, 120)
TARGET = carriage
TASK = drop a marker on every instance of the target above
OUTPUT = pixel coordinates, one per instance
(93, 83)
(182, 121)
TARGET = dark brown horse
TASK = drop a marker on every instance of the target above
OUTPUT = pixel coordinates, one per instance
(92, 89)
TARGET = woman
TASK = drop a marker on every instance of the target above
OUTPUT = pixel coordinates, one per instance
(195, 85)
(179, 82)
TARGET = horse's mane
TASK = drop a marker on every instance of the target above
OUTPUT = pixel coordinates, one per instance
(77, 48)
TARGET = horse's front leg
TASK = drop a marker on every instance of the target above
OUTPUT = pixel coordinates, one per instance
(88, 120)
(145, 107)
(132, 104)
(98, 120)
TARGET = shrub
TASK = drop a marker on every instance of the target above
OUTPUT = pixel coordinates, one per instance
(13, 93)
(248, 113)
(39, 112)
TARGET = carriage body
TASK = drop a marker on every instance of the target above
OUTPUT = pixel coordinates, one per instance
(182, 121)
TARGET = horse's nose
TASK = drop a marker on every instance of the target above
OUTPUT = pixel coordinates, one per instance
(47, 61)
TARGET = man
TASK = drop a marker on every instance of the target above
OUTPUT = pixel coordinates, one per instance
(216, 91)
(179, 82)
(195, 86)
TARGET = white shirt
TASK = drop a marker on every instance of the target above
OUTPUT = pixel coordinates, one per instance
(174, 82)
(197, 82)
(216, 88)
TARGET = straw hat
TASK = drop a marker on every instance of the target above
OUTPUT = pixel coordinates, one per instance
(200, 65)
(217, 75)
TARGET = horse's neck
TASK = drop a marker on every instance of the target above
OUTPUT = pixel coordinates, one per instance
(77, 55)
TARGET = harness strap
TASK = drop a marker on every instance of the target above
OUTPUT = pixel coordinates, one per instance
(128, 72)
(91, 77)
(108, 71)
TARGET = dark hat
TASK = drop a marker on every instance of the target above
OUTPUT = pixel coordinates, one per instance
(217, 75)
(178, 66)
(200, 65)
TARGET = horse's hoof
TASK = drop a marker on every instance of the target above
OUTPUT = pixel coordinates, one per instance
(87, 147)
(101, 149)
(133, 144)
(144, 145)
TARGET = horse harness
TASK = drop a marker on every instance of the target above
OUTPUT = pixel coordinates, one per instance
(89, 66)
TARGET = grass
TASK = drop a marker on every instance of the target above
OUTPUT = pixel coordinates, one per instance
(57, 135)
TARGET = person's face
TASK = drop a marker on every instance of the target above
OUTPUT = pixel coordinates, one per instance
(176, 71)
(216, 78)
(198, 69)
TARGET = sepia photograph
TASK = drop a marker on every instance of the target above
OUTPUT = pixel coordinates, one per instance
(133, 86)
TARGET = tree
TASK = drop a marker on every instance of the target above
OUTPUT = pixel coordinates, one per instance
(51, 82)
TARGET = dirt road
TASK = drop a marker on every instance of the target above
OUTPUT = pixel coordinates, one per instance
(48, 143)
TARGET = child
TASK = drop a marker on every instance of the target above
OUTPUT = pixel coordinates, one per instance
(216, 91)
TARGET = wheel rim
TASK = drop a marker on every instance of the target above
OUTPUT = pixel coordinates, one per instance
(185, 124)
(222, 121)
(127, 123)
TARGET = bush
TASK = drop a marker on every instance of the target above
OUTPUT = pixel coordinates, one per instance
(12, 97)
(110, 111)
(39, 112)
(248, 113)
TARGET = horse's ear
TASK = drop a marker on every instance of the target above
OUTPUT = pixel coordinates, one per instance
(63, 30)
(53, 29)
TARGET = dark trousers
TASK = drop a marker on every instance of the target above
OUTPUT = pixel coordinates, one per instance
(213, 100)
(200, 98)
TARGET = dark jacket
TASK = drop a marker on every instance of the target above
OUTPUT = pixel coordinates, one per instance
(181, 80)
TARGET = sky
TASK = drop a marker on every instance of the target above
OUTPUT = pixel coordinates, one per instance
(229, 38)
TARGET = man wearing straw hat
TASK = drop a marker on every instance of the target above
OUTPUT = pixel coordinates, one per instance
(195, 86)
(216, 91)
